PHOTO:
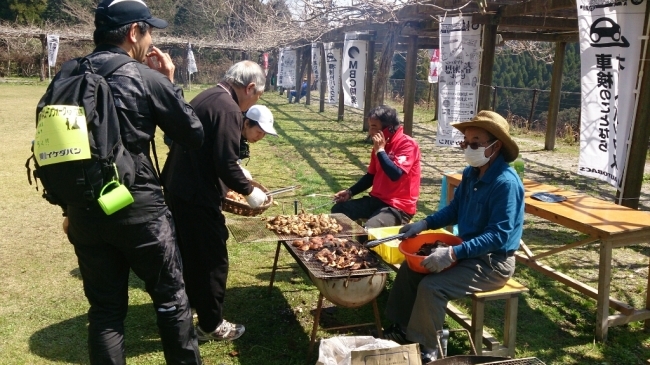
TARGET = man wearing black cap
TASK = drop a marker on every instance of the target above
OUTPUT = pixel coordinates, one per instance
(140, 237)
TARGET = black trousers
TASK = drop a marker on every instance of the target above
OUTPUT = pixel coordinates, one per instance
(106, 253)
(202, 236)
(377, 213)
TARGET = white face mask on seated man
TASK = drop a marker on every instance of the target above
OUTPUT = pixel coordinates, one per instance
(476, 157)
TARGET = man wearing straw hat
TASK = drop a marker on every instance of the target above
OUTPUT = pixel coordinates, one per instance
(488, 207)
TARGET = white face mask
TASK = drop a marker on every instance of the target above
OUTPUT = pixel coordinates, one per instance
(476, 158)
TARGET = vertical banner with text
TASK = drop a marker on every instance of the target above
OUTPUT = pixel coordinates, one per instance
(191, 61)
(315, 62)
(353, 74)
(434, 65)
(610, 47)
(287, 71)
(333, 61)
(52, 49)
(460, 55)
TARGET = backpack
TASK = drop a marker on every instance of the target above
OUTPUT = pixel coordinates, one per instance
(72, 168)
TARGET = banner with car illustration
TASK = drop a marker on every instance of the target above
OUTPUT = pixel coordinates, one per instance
(287, 68)
(333, 63)
(460, 54)
(610, 47)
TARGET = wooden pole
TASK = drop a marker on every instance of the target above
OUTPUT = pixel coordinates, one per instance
(429, 96)
(370, 68)
(341, 97)
(435, 95)
(298, 76)
(44, 63)
(487, 63)
(554, 98)
(410, 83)
(639, 140)
(532, 109)
(323, 78)
(310, 62)
(388, 46)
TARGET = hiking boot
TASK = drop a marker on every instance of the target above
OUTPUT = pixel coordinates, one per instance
(226, 331)
(429, 355)
(395, 333)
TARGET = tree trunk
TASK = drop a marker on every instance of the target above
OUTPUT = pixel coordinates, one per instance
(383, 71)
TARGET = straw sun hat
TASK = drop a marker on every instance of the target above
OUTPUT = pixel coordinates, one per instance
(497, 126)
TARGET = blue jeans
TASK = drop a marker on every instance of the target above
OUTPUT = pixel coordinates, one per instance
(106, 254)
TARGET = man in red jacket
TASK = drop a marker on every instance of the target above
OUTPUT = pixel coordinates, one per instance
(393, 174)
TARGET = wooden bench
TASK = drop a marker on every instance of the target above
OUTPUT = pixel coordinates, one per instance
(510, 292)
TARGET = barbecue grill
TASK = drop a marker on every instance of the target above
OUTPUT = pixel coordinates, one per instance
(343, 287)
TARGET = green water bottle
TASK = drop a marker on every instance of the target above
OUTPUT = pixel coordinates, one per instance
(519, 167)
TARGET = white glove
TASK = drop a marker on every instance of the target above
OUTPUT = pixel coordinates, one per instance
(246, 172)
(413, 229)
(439, 260)
(256, 198)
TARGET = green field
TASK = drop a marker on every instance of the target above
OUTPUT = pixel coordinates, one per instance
(43, 311)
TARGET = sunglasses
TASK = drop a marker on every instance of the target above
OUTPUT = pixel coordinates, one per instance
(474, 145)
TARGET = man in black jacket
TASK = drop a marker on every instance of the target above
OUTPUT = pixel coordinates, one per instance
(197, 181)
(141, 236)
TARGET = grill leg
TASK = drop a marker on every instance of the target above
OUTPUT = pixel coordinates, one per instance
(275, 266)
(314, 329)
(375, 309)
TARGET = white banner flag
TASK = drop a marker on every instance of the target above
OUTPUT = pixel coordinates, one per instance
(333, 60)
(610, 47)
(460, 53)
(52, 49)
(191, 62)
(315, 62)
(287, 74)
(434, 65)
(353, 74)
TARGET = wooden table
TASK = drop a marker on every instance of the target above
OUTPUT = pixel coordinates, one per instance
(611, 224)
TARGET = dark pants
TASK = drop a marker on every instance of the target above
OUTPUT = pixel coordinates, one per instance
(378, 213)
(202, 236)
(417, 301)
(105, 253)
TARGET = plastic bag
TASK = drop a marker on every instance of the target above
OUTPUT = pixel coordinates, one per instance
(336, 350)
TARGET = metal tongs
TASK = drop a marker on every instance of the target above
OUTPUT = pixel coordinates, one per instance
(282, 190)
(377, 242)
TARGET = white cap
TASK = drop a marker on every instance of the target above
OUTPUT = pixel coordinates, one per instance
(263, 116)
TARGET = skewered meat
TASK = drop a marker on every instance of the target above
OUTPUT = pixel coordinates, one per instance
(344, 254)
(232, 195)
(304, 224)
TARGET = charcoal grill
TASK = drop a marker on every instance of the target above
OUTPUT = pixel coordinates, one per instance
(345, 288)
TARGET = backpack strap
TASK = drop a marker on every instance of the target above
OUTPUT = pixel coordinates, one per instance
(113, 64)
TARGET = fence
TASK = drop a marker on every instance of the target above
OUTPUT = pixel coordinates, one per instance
(525, 109)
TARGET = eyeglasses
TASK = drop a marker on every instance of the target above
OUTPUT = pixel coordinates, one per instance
(474, 145)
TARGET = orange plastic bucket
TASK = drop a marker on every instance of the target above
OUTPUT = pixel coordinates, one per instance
(410, 246)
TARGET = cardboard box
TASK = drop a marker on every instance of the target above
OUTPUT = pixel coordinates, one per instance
(402, 355)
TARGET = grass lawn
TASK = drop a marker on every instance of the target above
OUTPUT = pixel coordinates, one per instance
(43, 312)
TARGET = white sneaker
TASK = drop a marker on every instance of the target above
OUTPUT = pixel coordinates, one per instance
(226, 331)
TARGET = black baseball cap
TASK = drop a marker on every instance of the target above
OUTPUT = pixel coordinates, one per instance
(112, 14)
